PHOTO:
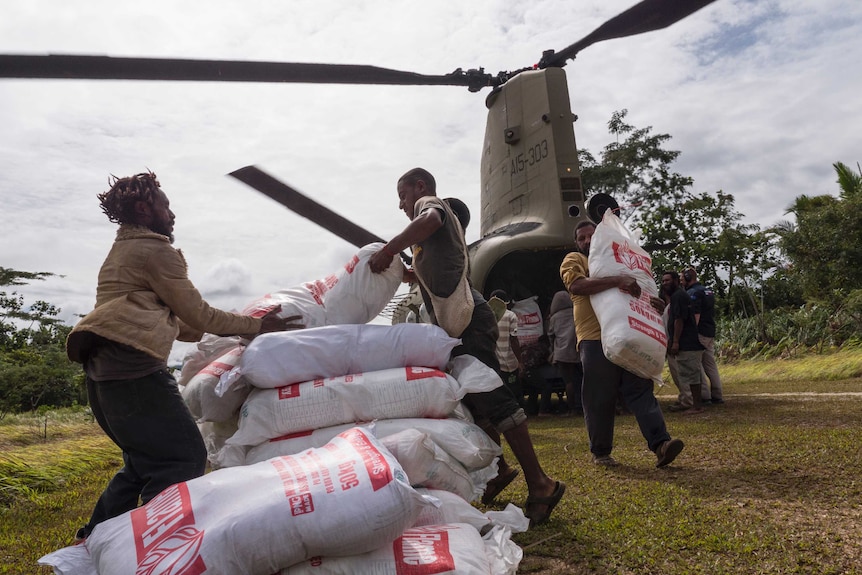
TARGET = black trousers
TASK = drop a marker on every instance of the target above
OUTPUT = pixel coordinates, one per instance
(149, 421)
(499, 407)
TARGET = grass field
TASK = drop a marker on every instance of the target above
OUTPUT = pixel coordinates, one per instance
(770, 482)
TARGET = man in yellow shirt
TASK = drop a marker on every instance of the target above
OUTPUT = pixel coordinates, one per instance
(602, 378)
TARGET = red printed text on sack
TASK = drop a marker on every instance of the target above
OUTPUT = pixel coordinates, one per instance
(347, 475)
(318, 288)
(644, 308)
(163, 530)
(414, 373)
(300, 504)
(657, 334)
(631, 259)
(423, 552)
(529, 319)
(219, 367)
(260, 308)
(288, 391)
(351, 265)
(375, 463)
(296, 487)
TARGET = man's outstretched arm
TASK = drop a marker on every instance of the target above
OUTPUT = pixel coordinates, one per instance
(416, 231)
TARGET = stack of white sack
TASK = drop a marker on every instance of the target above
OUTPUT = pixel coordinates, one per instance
(417, 409)
(387, 394)
(344, 499)
(353, 295)
(633, 332)
(448, 454)
(451, 538)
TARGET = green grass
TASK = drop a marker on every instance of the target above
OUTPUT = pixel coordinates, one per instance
(765, 485)
(50, 476)
(770, 482)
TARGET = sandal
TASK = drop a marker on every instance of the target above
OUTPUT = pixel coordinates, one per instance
(497, 485)
(537, 518)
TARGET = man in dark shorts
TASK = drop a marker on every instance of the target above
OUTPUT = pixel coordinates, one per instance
(683, 346)
(441, 266)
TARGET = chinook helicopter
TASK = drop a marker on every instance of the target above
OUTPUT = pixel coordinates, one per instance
(532, 197)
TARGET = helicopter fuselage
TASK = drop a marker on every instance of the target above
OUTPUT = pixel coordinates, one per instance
(532, 197)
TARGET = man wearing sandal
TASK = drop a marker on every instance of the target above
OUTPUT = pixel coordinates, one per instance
(440, 265)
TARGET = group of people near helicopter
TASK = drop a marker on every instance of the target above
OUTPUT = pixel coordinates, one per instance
(145, 301)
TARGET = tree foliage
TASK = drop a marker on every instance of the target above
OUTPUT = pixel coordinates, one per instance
(824, 245)
(679, 227)
(34, 369)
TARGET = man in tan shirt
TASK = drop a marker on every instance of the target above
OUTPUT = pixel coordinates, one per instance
(145, 301)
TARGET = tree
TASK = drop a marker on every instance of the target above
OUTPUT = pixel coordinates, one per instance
(850, 184)
(34, 369)
(679, 227)
(824, 246)
(10, 277)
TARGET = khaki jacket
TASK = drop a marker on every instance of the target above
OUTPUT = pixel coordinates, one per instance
(145, 300)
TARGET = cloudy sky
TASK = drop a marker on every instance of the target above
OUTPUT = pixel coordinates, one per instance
(761, 97)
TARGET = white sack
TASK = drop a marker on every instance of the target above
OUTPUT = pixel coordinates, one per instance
(503, 554)
(346, 498)
(633, 333)
(72, 560)
(210, 347)
(461, 412)
(453, 509)
(281, 358)
(473, 375)
(387, 394)
(215, 436)
(431, 550)
(530, 326)
(201, 398)
(464, 441)
(427, 465)
(355, 294)
(294, 301)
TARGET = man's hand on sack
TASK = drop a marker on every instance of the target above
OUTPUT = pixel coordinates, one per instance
(380, 261)
(272, 322)
(630, 285)
(657, 303)
(673, 349)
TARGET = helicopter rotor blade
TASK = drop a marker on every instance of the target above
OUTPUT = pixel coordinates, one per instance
(307, 208)
(82, 67)
(643, 17)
